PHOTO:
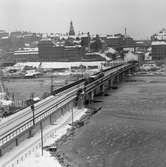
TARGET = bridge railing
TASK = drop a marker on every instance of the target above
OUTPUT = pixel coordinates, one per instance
(60, 98)
(113, 72)
(39, 116)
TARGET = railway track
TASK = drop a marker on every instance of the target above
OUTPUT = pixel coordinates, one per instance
(23, 120)
(19, 120)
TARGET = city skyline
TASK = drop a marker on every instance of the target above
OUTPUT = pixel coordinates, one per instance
(142, 18)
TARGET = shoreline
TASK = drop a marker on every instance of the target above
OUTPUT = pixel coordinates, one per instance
(128, 135)
(55, 150)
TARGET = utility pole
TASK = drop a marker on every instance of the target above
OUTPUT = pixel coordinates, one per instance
(52, 85)
(82, 72)
(41, 128)
(82, 98)
(33, 111)
(33, 108)
(72, 130)
(72, 117)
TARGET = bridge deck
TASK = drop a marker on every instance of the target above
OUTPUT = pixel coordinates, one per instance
(23, 120)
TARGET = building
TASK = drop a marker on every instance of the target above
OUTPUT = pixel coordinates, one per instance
(158, 50)
(85, 40)
(158, 45)
(160, 36)
(3, 33)
(21, 55)
(48, 51)
(26, 55)
(119, 41)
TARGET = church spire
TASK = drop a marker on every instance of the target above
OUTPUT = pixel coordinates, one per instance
(71, 31)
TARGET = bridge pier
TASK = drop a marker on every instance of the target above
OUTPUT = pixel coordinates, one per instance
(34, 129)
(16, 142)
(53, 111)
(106, 85)
(81, 102)
(30, 133)
(121, 77)
(95, 92)
(116, 81)
(110, 83)
(50, 119)
(130, 72)
(61, 111)
(91, 96)
(102, 89)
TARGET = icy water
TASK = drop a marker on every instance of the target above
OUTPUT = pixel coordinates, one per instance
(129, 131)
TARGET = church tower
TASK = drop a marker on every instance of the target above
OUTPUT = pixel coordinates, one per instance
(71, 31)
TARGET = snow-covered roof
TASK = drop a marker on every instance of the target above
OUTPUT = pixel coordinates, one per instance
(75, 46)
(58, 65)
(46, 39)
(161, 35)
(5, 102)
(83, 35)
(26, 51)
(149, 49)
(111, 37)
(111, 50)
(5, 37)
(67, 64)
(158, 43)
(99, 54)
(21, 65)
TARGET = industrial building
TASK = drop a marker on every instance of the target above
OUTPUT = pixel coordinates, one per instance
(158, 50)
(48, 51)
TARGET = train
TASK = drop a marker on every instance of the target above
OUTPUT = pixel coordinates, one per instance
(82, 83)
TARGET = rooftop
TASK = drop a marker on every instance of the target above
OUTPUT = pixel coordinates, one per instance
(158, 43)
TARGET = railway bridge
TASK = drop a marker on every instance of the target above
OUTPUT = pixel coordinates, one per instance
(25, 123)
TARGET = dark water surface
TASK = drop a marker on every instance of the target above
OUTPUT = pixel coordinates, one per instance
(129, 131)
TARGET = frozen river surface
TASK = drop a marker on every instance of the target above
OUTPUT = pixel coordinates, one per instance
(129, 131)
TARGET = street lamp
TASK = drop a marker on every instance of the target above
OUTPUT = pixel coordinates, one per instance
(82, 70)
(41, 128)
(33, 108)
(33, 111)
(82, 97)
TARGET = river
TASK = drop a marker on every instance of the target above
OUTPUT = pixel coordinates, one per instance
(129, 130)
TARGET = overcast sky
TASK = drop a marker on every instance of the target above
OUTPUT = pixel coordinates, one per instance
(142, 18)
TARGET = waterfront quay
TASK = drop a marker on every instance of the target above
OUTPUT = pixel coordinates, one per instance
(129, 130)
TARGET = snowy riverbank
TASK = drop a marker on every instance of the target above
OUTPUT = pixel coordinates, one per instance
(28, 153)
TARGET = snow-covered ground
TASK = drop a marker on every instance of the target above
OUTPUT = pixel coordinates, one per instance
(54, 65)
(28, 153)
(40, 161)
